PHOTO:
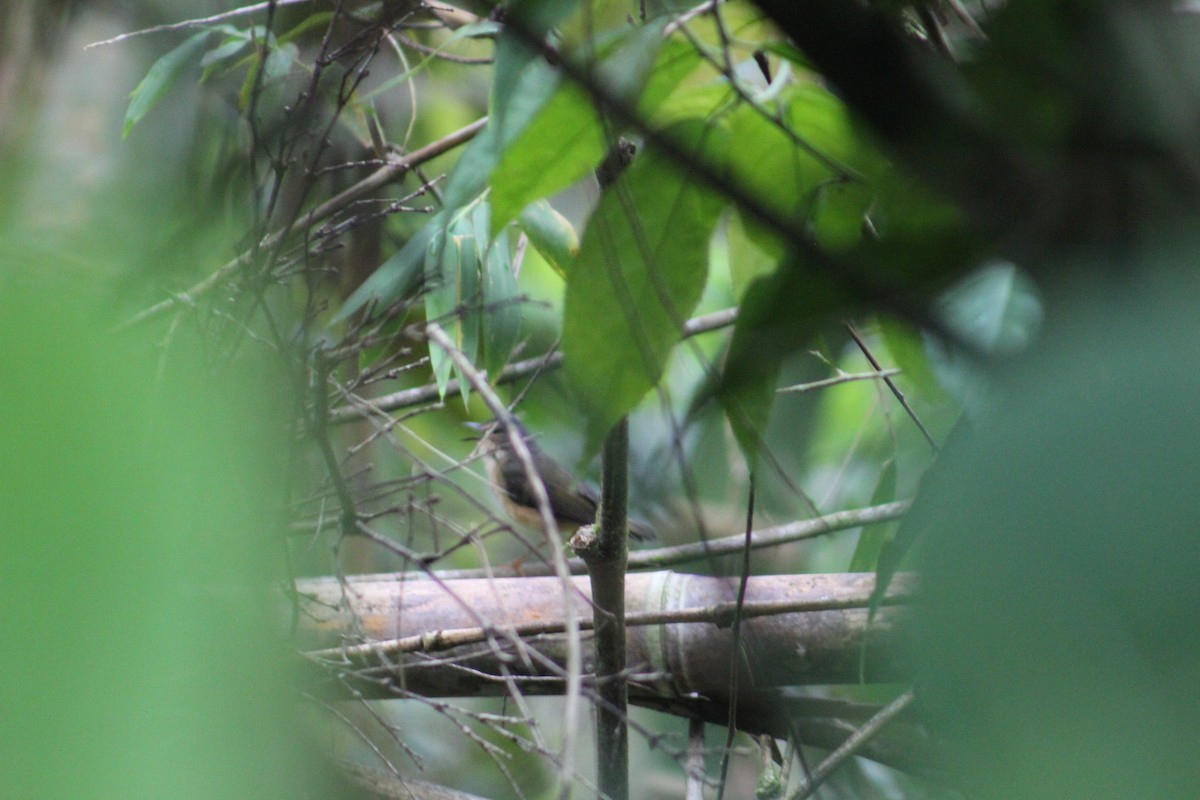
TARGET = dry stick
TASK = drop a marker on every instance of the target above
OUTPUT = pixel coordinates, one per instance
(197, 22)
(479, 382)
(381, 177)
(662, 557)
(515, 371)
(769, 537)
(852, 744)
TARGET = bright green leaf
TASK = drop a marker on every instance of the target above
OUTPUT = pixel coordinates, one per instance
(640, 272)
(752, 252)
(567, 139)
(677, 59)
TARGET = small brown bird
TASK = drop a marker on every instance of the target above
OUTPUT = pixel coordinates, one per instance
(572, 502)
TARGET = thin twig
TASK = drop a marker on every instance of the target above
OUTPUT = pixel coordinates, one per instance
(899, 395)
(520, 447)
(852, 744)
(736, 649)
(431, 393)
(381, 177)
(198, 22)
(843, 377)
(664, 557)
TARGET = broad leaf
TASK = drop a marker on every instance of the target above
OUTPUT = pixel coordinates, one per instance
(563, 145)
(567, 139)
(641, 270)
(780, 313)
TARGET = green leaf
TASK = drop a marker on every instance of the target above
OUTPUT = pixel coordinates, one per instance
(791, 170)
(443, 268)
(753, 252)
(522, 86)
(397, 276)
(677, 59)
(567, 139)
(227, 49)
(623, 72)
(280, 60)
(307, 24)
(871, 540)
(996, 309)
(161, 77)
(907, 350)
(640, 272)
(502, 320)
(780, 314)
(562, 145)
(551, 234)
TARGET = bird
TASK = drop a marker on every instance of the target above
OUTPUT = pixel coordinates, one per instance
(572, 502)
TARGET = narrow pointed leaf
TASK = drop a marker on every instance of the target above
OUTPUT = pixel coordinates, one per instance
(161, 77)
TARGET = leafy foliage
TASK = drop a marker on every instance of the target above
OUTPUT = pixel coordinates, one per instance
(842, 217)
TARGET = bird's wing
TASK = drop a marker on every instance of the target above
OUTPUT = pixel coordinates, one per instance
(569, 500)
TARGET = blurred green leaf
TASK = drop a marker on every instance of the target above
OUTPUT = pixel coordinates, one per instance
(227, 49)
(280, 60)
(627, 61)
(871, 540)
(308, 23)
(674, 62)
(996, 309)
(136, 570)
(907, 349)
(551, 234)
(753, 252)
(162, 76)
(396, 277)
(640, 272)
